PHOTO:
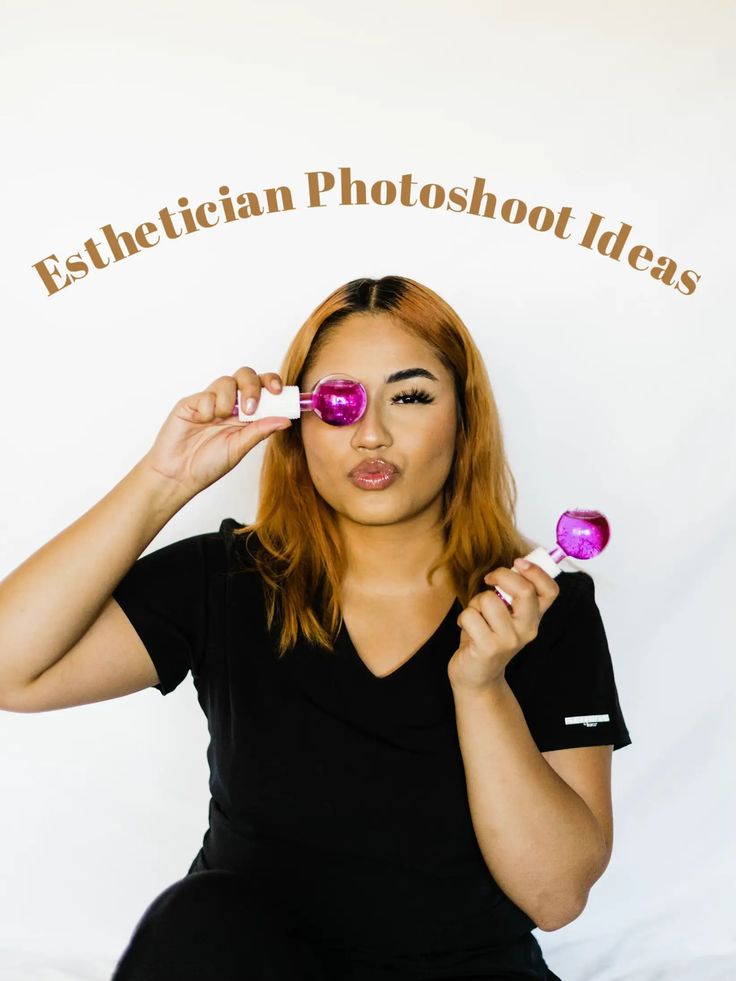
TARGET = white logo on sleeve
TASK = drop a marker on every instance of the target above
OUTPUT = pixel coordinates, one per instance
(587, 720)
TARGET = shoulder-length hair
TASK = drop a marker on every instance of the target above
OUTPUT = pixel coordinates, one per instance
(300, 555)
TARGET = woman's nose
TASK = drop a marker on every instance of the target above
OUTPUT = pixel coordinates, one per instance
(372, 424)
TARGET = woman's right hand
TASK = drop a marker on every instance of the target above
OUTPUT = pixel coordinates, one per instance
(202, 440)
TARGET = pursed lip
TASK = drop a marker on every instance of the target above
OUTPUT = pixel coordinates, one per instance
(377, 466)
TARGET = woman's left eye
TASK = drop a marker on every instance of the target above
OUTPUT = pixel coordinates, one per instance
(416, 395)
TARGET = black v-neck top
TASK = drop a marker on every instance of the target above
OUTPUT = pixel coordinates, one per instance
(344, 792)
(345, 644)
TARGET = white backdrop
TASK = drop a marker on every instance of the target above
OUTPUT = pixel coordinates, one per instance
(614, 388)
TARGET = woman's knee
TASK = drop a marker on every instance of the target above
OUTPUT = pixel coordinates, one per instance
(214, 923)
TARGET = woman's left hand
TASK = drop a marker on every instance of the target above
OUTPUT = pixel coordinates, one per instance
(492, 634)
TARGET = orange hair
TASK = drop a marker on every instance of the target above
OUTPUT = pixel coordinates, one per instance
(301, 558)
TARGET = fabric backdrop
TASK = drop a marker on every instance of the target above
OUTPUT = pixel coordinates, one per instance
(614, 383)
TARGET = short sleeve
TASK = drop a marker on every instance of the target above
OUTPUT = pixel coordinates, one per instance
(164, 595)
(568, 694)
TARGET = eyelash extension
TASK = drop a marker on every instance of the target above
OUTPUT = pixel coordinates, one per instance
(418, 394)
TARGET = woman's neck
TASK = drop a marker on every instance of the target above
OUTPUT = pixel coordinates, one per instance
(392, 559)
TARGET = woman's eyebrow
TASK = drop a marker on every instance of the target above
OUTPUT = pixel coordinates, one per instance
(406, 373)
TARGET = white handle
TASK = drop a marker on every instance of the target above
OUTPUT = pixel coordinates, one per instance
(544, 560)
(284, 403)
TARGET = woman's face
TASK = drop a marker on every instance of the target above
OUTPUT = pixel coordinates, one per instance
(415, 433)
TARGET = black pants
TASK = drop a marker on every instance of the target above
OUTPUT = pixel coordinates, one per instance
(209, 926)
(215, 925)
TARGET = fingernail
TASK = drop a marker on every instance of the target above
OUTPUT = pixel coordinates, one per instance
(250, 406)
(522, 564)
(277, 384)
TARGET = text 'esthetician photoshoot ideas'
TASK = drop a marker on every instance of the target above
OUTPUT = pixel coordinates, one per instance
(608, 236)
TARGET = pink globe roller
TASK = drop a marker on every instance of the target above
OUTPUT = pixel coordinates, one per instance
(338, 400)
(580, 533)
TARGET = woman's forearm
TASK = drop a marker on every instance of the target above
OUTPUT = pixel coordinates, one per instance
(49, 601)
(541, 842)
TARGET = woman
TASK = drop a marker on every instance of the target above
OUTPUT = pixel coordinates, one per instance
(395, 789)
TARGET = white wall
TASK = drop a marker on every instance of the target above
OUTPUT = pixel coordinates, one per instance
(615, 390)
